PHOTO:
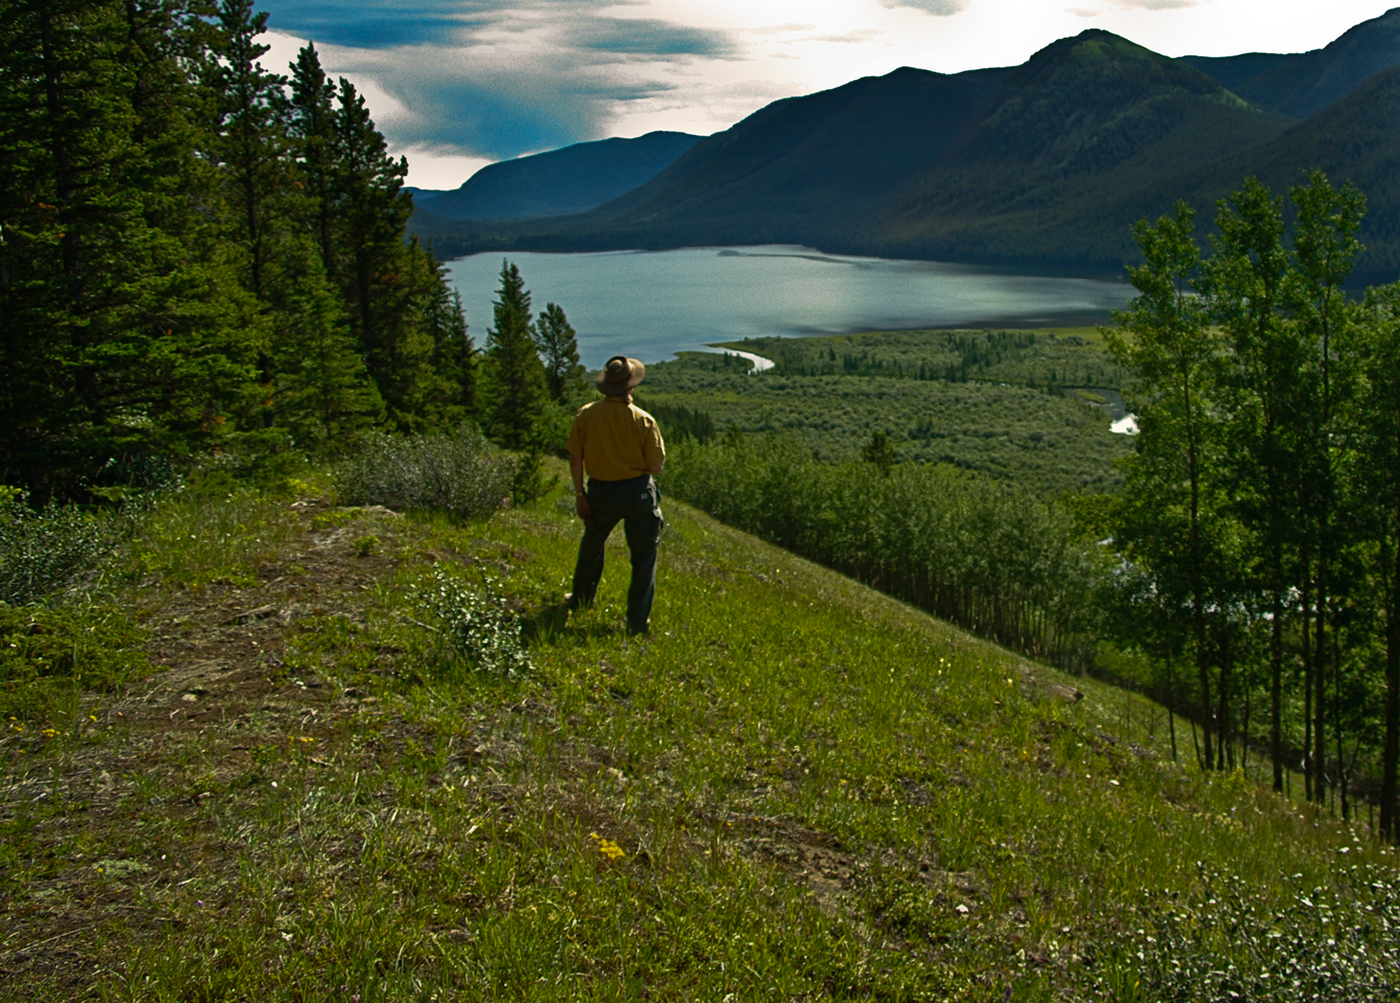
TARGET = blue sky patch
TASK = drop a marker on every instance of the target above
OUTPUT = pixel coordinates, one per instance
(648, 37)
(376, 24)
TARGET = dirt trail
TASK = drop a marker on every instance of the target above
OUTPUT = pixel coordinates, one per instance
(222, 689)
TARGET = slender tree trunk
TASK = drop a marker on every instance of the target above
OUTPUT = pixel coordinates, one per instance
(1391, 756)
(1306, 648)
(1244, 735)
(1171, 704)
(1197, 586)
(1337, 717)
(1204, 672)
(1276, 690)
(1320, 690)
(1222, 720)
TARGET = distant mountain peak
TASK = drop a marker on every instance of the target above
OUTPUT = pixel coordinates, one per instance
(1087, 102)
(1302, 84)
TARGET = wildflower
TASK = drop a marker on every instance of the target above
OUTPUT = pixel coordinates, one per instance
(607, 848)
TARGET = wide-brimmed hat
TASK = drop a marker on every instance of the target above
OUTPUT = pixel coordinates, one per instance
(620, 375)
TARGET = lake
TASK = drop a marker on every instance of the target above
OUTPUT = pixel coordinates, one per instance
(651, 304)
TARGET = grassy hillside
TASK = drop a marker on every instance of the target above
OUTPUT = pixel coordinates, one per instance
(793, 788)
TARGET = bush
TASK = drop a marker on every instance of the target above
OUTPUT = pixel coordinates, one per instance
(478, 626)
(460, 472)
(45, 551)
(1223, 941)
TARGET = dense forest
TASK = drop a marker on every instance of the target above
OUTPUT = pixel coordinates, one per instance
(200, 257)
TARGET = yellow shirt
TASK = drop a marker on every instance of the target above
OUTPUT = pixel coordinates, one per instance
(616, 440)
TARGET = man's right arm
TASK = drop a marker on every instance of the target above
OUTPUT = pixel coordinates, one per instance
(580, 499)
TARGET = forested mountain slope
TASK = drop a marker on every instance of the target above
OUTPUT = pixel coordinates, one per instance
(1304, 83)
(1043, 166)
(821, 162)
(1353, 140)
(570, 180)
(909, 163)
(1083, 122)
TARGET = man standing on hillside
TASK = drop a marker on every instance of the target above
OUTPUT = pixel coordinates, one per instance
(620, 447)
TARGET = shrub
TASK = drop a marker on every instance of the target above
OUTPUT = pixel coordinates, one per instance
(45, 551)
(460, 472)
(1224, 941)
(478, 626)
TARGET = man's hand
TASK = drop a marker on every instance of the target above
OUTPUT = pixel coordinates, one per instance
(580, 499)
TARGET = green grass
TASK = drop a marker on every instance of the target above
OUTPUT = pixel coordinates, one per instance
(793, 788)
(1057, 357)
(996, 402)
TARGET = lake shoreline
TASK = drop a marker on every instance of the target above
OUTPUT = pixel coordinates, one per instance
(653, 304)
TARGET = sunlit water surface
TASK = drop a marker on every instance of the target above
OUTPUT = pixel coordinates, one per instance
(651, 304)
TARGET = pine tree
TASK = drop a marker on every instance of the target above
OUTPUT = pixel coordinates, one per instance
(373, 211)
(516, 390)
(558, 348)
(119, 334)
(250, 139)
(312, 125)
(454, 358)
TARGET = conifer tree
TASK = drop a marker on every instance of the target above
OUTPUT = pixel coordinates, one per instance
(250, 140)
(119, 334)
(312, 125)
(516, 376)
(373, 210)
(454, 358)
(558, 348)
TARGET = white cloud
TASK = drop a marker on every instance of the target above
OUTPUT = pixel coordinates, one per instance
(1155, 4)
(938, 8)
(465, 81)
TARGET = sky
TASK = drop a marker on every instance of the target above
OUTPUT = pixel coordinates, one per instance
(458, 84)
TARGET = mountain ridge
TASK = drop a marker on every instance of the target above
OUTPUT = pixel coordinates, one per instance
(1044, 166)
(1304, 83)
(561, 182)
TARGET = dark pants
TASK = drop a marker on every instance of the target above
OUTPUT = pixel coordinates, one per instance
(637, 504)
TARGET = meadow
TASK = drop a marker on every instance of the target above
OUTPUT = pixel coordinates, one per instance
(305, 785)
(1002, 403)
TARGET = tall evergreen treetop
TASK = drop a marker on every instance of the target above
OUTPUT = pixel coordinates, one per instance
(558, 347)
(517, 392)
(313, 127)
(250, 138)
